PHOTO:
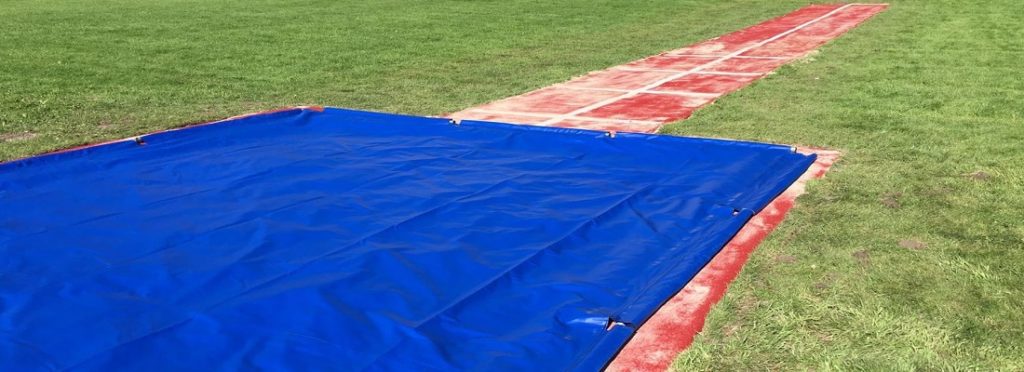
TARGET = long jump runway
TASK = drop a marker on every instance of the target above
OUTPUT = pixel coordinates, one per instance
(644, 95)
(332, 239)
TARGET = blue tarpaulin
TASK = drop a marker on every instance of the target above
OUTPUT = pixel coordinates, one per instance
(349, 240)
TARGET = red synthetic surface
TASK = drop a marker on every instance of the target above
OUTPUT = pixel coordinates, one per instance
(701, 83)
(651, 107)
(642, 96)
(618, 79)
(622, 98)
(670, 62)
(550, 100)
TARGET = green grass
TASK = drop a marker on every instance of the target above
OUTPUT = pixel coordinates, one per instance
(918, 98)
(73, 72)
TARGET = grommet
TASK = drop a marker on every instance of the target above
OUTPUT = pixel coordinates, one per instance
(612, 323)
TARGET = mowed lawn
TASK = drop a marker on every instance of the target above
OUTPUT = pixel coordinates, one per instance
(908, 255)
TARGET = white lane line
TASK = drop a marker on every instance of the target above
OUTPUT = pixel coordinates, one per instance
(665, 92)
(653, 85)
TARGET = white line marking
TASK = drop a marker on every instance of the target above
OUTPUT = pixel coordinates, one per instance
(653, 85)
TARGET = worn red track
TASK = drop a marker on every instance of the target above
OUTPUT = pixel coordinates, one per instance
(644, 95)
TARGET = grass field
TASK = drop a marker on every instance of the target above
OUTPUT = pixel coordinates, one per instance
(908, 255)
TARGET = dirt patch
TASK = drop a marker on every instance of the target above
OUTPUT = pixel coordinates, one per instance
(747, 305)
(730, 329)
(979, 176)
(825, 282)
(18, 136)
(829, 197)
(105, 124)
(891, 199)
(823, 337)
(913, 244)
(785, 258)
(863, 257)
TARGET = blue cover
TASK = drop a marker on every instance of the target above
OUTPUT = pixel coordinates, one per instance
(349, 240)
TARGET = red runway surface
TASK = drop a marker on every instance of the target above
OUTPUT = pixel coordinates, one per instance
(644, 95)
